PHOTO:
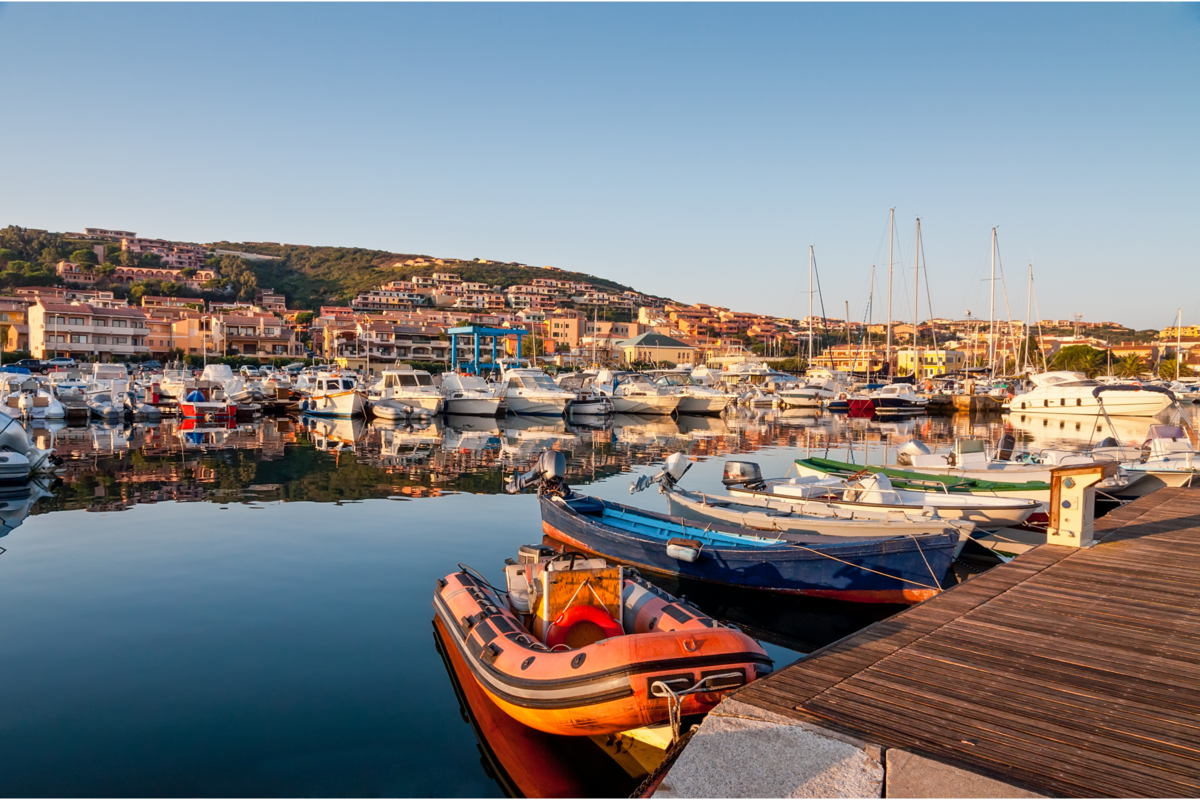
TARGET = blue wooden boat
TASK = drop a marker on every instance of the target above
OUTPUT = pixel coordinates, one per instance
(899, 569)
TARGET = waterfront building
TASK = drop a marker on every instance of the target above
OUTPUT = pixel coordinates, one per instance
(932, 362)
(655, 348)
(85, 332)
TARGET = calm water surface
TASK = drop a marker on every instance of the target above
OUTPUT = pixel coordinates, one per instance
(248, 611)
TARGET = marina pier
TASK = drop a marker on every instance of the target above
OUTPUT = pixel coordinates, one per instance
(1065, 672)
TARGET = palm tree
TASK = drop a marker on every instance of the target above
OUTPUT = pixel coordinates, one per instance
(1166, 370)
(1131, 366)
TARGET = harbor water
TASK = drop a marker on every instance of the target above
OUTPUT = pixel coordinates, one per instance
(247, 610)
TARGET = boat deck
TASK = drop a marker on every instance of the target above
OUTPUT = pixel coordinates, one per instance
(1065, 672)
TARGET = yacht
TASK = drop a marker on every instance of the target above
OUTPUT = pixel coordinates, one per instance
(1076, 393)
(694, 398)
(588, 401)
(633, 393)
(330, 394)
(821, 387)
(530, 391)
(470, 395)
(402, 392)
(897, 399)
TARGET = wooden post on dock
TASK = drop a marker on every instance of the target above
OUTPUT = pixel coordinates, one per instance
(1073, 501)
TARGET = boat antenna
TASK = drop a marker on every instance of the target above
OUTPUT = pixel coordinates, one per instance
(916, 305)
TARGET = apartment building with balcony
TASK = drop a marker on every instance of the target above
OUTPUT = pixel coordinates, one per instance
(85, 331)
(384, 299)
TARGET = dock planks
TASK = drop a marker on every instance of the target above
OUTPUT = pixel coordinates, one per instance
(1069, 672)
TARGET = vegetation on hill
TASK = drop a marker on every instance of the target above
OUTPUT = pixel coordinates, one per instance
(314, 276)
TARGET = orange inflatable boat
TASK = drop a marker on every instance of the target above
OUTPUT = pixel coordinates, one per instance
(579, 647)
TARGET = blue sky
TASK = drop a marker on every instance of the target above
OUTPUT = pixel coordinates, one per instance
(694, 151)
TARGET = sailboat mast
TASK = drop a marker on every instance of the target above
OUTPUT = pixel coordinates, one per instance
(1028, 307)
(992, 313)
(810, 308)
(1178, 340)
(917, 303)
(891, 238)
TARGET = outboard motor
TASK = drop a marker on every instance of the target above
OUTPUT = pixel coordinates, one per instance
(547, 474)
(674, 468)
(1005, 447)
(743, 473)
(533, 553)
(1107, 442)
(911, 448)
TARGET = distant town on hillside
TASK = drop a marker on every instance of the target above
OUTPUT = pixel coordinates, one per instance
(103, 294)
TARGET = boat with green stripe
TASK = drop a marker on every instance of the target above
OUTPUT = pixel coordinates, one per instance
(920, 481)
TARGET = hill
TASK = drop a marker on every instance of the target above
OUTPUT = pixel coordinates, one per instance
(315, 276)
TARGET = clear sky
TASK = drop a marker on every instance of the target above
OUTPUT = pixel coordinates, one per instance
(694, 151)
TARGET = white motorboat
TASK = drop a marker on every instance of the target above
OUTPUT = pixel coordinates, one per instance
(897, 399)
(330, 394)
(633, 393)
(176, 382)
(588, 401)
(469, 395)
(529, 391)
(694, 398)
(821, 387)
(334, 435)
(404, 392)
(1167, 459)
(22, 397)
(1076, 393)
(874, 492)
(237, 388)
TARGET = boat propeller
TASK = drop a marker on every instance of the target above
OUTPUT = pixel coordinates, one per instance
(672, 472)
(551, 468)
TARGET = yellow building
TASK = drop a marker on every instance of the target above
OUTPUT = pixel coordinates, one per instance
(1175, 333)
(933, 362)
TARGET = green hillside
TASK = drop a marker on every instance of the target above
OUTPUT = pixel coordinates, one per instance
(315, 276)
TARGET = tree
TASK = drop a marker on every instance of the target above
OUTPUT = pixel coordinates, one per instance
(105, 270)
(169, 288)
(128, 258)
(85, 257)
(1080, 358)
(1131, 366)
(1166, 370)
(305, 317)
(188, 272)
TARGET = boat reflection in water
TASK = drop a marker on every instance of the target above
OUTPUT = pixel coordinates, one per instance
(523, 761)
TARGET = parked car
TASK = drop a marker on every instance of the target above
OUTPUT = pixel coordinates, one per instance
(32, 364)
(151, 365)
(61, 361)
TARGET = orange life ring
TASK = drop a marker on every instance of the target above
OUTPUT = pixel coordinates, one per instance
(577, 627)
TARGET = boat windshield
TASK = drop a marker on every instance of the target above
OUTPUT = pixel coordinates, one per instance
(636, 380)
(676, 380)
(424, 379)
(535, 382)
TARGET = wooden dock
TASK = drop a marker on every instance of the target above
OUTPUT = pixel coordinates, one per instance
(1066, 672)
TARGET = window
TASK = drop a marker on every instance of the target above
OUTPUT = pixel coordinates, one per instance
(79, 338)
(75, 321)
(119, 323)
(120, 340)
(102, 322)
(100, 339)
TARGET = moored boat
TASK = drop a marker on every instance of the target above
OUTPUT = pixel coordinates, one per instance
(581, 647)
(893, 569)
(204, 404)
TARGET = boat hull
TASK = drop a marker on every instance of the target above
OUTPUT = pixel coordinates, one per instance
(474, 406)
(536, 407)
(660, 406)
(208, 410)
(897, 570)
(988, 513)
(1127, 404)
